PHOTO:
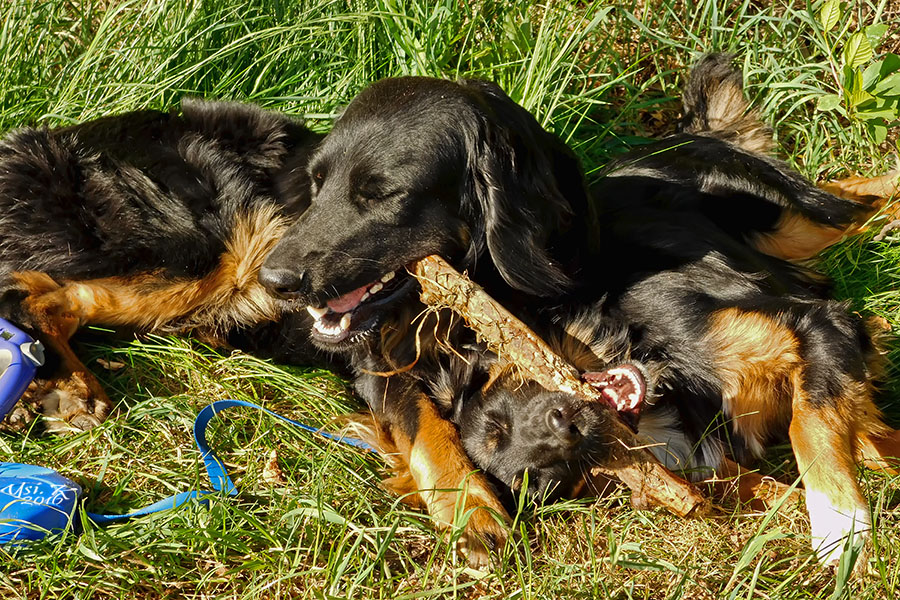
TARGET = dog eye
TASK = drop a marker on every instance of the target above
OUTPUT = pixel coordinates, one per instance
(497, 427)
(370, 196)
(318, 176)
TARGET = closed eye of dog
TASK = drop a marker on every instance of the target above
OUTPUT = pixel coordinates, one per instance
(371, 188)
(496, 430)
(369, 196)
(318, 176)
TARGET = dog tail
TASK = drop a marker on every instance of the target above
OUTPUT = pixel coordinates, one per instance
(715, 105)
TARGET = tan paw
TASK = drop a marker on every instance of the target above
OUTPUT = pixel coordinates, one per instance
(483, 537)
(71, 403)
(18, 419)
(25, 411)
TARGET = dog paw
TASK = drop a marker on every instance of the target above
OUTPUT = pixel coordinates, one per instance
(18, 419)
(24, 412)
(767, 493)
(70, 404)
(483, 536)
(833, 526)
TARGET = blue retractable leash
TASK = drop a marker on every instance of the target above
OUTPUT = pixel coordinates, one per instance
(36, 501)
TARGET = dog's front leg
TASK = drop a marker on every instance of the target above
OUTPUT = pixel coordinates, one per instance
(454, 492)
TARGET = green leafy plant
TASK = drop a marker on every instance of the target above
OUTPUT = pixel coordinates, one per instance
(868, 88)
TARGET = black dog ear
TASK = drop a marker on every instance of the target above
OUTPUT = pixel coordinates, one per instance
(530, 190)
(459, 379)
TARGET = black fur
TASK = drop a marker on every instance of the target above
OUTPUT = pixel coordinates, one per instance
(144, 190)
(419, 166)
(150, 195)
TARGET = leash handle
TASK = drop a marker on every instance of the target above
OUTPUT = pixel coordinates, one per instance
(20, 356)
(215, 468)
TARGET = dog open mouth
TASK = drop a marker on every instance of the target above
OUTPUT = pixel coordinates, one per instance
(624, 388)
(352, 315)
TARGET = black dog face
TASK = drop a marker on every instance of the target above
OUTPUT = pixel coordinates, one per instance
(419, 166)
(512, 428)
(509, 432)
(509, 425)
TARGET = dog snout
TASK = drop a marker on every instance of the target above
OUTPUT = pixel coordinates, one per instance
(563, 426)
(287, 283)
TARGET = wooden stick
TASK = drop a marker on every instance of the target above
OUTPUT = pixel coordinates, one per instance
(632, 464)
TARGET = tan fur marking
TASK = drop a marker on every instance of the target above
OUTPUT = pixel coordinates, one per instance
(440, 466)
(797, 238)
(748, 131)
(822, 438)
(575, 346)
(363, 426)
(865, 188)
(429, 469)
(227, 296)
(445, 476)
(880, 450)
(754, 357)
(432, 471)
(819, 434)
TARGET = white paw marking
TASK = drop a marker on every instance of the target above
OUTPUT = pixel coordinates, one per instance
(831, 526)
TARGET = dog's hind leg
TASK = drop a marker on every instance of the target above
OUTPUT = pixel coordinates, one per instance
(877, 192)
(802, 364)
(822, 438)
(799, 236)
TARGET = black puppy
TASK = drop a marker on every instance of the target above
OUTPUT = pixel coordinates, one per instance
(148, 220)
(418, 166)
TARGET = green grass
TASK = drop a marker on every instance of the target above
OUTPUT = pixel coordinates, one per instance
(604, 76)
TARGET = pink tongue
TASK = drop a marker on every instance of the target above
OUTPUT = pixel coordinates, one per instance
(348, 301)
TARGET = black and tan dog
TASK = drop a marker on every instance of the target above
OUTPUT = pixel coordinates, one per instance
(687, 240)
(148, 220)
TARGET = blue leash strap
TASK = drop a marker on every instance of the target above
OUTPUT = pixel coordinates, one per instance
(215, 468)
(165, 504)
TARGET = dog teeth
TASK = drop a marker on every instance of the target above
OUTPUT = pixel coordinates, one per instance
(364, 297)
(633, 399)
(316, 313)
(375, 288)
(387, 277)
(326, 328)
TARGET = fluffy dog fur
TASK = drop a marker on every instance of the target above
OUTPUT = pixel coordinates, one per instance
(148, 220)
(686, 239)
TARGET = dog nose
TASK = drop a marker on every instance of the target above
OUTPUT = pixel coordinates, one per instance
(283, 282)
(561, 424)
